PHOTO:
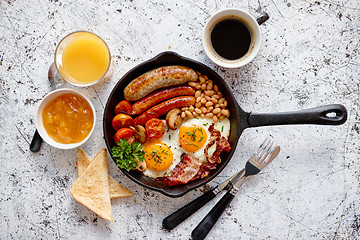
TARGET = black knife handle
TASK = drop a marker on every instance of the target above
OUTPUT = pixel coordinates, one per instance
(186, 211)
(204, 227)
(36, 142)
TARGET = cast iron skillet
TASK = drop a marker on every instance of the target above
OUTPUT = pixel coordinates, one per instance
(240, 120)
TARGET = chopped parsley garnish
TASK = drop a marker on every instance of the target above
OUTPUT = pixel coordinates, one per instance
(192, 135)
(126, 155)
(192, 144)
(222, 128)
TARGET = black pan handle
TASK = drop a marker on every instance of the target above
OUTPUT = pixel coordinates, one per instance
(186, 211)
(36, 142)
(334, 114)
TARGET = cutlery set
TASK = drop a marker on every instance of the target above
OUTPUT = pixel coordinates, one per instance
(265, 153)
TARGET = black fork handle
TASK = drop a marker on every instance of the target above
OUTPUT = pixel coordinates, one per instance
(204, 227)
(186, 211)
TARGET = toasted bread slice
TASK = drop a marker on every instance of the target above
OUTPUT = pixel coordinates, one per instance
(91, 189)
(116, 189)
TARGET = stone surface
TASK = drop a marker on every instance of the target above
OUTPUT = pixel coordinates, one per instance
(309, 57)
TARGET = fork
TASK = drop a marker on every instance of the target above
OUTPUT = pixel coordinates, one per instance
(263, 156)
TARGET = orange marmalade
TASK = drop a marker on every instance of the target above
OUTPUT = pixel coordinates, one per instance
(68, 118)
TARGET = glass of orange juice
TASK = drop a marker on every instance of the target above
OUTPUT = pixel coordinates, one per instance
(82, 58)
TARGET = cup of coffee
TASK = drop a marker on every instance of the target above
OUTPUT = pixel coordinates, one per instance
(232, 37)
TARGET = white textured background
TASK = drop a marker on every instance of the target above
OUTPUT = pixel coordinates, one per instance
(309, 57)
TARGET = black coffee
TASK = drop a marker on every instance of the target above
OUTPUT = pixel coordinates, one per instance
(231, 39)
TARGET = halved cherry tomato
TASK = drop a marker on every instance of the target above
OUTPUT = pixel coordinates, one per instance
(122, 120)
(123, 133)
(123, 107)
(155, 128)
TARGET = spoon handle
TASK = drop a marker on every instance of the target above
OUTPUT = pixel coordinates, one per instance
(36, 142)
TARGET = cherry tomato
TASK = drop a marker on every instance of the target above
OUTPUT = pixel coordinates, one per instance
(123, 133)
(122, 121)
(155, 128)
(123, 107)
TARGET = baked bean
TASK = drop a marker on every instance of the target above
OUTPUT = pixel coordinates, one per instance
(206, 78)
(203, 86)
(225, 112)
(217, 105)
(184, 109)
(197, 94)
(214, 100)
(192, 84)
(198, 73)
(198, 99)
(188, 114)
(209, 92)
(210, 109)
(198, 111)
(202, 79)
(209, 104)
(216, 96)
(198, 105)
(215, 118)
(216, 110)
(198, 86)
(207, 98)
(195, 114)
(203, 109)
(219, 114)
(203, 100)
(209, 86)
(209, 115)
(222, 117)
(216, 88)
(221, 100)
(183, 114)
(222, 105)
(191, 108)
(225, 103)
(202, 115)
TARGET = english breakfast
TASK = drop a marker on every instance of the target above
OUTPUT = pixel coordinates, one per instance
(172, 125)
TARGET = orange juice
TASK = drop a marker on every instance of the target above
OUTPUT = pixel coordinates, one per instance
(85, 58)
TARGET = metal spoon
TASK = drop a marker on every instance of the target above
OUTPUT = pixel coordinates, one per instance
(55, 82)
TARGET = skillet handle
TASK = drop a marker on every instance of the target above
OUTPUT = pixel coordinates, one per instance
(334, 114)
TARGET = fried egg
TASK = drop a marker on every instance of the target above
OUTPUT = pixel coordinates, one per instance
(162, 155)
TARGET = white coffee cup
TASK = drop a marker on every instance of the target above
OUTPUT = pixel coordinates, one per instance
(248, 21)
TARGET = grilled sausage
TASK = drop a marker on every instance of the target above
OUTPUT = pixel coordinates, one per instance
(159, 96)
(163, 108)
(158, 78)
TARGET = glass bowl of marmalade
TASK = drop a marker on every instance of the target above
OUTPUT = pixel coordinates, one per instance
(65, 118)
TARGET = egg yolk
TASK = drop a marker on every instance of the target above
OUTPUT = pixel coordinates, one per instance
(192, 138)
(158, 156)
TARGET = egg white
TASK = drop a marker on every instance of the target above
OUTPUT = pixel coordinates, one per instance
(171, 139)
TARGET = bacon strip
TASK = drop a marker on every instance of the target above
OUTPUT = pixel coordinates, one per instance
(189, 169)
(183, 172)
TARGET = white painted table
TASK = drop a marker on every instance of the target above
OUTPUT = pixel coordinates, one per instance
(309, 57)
